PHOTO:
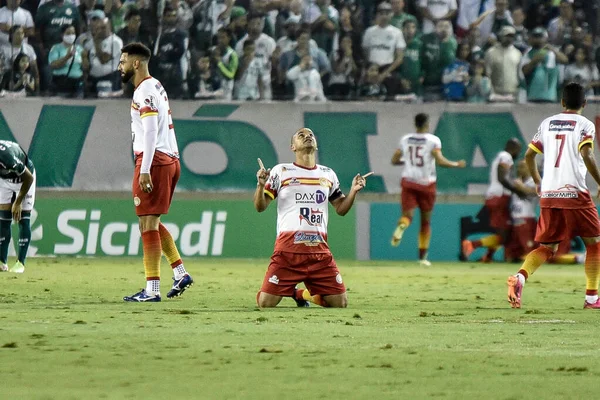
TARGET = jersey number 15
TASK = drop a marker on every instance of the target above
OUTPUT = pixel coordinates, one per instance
(416, 158)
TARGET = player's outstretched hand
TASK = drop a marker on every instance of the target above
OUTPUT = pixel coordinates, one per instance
(145, 183)
(262, 174)
(461, 164)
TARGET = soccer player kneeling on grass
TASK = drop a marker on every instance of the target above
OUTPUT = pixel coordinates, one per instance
(156, 172)
(17, 181)
(567, 142)
(303, 190)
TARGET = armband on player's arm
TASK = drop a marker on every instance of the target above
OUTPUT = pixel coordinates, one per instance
(150, 124)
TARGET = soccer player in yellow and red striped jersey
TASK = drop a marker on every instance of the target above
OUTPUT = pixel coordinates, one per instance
(567, 142)
(156, 173)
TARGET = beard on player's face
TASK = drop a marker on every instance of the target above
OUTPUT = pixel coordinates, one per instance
(127, 75)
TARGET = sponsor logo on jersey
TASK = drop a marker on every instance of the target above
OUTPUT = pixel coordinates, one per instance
(566, 192)
(308, 239)
(558, 125)
(311, 216)
(294, 181)
(309, 198)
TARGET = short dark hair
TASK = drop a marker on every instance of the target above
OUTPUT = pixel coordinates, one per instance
(421, 120)
(248, 43)
(64, 28)
(12, 30)
(408, 21)
(573, 96)
(137, 49)
(133, 12)
(226, 31)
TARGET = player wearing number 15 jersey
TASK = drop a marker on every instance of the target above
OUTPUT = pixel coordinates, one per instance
(156, 171)
(567, 142)
(421, 151)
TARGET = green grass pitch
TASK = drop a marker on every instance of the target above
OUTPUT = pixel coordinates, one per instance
(409, 333)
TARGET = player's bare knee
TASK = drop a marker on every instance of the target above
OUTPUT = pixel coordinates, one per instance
(266, 300)
(336, 301)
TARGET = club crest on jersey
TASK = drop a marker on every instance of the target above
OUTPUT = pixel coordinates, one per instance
(309, 198)
(324, 182)
(308, 239)
(136, 201)
(311, 216)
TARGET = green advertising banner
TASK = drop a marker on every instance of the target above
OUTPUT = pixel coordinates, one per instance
(108, 227)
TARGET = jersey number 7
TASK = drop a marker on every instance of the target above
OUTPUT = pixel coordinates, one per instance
(560, 137)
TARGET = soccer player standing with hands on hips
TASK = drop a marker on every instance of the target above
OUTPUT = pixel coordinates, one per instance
(422, 151)
(156, 173)
(17, 178)
(566, 207)
(301, 253)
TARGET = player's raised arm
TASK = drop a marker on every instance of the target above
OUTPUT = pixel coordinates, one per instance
(444, 162)
(261, 196)
(343, 204)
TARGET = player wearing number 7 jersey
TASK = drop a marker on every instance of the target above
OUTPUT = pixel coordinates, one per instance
(421, 152)
(567, 142)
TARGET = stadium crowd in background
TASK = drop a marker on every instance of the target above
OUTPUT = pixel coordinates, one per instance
(305, 50)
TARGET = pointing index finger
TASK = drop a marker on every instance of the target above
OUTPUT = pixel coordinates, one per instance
(368, 174)
(260, 163)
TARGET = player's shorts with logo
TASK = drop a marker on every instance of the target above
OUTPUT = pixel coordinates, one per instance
(558, 224)
(499, 211)
(414, 195)
(522, 238)
(318, 271)
(9, 188)
(164, 179)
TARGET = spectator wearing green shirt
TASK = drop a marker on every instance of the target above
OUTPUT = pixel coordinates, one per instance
(399, 16)
(539, 68)
(324, 22)
(438, 51)
(411, 73)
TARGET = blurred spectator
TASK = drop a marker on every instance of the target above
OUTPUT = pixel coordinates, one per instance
(239, 24)
(292, 58)
(50, 20)
(582, 71)
(4, 76)
(206, 82)
(265, 45)
(12, 14)
(502, 63)
(249, 82)
(18, 46)
(438, 52)
(171, 47)
(493, 23)
(324, 19)
(209, 17)
(383, 44)
(470, 11)
(104, 52)
(278, 84)
(185, 17)
(539, 69)
(348, 28)
(117, 11)
(133, 32)
(85, 9)
(479, 88)
(456, 75)
(306, 80)
(521, 40)
(538, 13)
(411, 73)
(291, 27)
(344, 71)
(561, 28)
(227, 61)
(433, 11)
(22, 78)
(474, 37)
(95, 20)
(399, 16)
(372, 88)
(67, 61)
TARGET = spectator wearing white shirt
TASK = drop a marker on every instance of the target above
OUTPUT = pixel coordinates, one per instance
(307, 81)
(581, 70)
(18, 46)
(249, 83)
(502, 63)
(383, 44)
(12, 14)
(104, 52)
(435, 10)
(265, 45)
(290, 40)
